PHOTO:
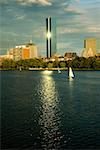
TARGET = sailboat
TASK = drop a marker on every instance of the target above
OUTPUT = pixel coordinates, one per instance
(70, 73)
(59, 71)
(20, 69)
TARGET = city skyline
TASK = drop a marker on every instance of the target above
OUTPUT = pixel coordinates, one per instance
(24, 20)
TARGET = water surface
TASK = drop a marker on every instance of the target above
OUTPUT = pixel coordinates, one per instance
(41, 110)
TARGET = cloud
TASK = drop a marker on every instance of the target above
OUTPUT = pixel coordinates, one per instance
(64, 45)
(93, 29)
(68, 30)
(37, 2)
(3, 1)
(72, 11)
(77, 1)
(27, 2)
(20, 17)
(85, 29)
(9, 33)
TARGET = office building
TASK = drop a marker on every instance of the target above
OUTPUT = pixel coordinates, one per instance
(17, 53)
(89, 47)
(50, 37)
(33, 50)
(27, 51)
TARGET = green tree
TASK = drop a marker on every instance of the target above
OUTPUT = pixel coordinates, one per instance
(50, 65)
(8, 64)
(62, 64)
(96, 64)
(89, 62)
(56, 64)
(75, 63)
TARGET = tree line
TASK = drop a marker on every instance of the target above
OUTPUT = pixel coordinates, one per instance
(77, 63)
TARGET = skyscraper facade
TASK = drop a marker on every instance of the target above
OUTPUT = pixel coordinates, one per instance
(90, 43)
(89, 47)
(50, 37)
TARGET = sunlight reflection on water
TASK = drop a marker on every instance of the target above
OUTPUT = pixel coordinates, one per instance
(49, 119)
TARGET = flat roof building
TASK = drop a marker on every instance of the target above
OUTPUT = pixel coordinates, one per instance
(27, 51)
(89, 47)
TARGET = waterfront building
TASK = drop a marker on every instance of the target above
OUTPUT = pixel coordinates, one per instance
(50, 37)
(17, 53)
(89, 47)
(33, 50)
(3, 57)
(27, 51)
(10, 54)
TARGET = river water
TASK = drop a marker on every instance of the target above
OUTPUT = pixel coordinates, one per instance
(44, 110)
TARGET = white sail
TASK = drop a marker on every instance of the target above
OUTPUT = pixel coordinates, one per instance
(59, 71)
(20, 69)
(71, 75)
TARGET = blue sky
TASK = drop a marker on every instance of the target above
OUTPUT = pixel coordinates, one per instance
(22, 20)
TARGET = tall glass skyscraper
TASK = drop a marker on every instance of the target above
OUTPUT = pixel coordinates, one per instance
(50, 37)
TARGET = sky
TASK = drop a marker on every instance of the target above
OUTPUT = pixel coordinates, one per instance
(24, 20)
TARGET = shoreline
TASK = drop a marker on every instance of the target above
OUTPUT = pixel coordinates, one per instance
(51, 69)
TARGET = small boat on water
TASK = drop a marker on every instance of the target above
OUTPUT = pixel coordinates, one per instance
(59, 71)
(70, 73)
(20, 69)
